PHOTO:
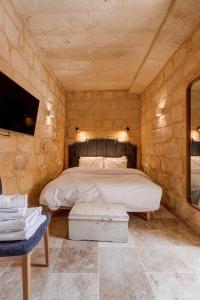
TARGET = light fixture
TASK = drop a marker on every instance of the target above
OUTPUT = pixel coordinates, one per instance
(77, 129)
(158, 112)
(198, 128)
(51, 113)
(127, 129)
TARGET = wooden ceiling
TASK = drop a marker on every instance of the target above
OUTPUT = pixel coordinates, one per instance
(108, 45)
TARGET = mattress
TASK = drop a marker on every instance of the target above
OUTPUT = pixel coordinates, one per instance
(130, 187)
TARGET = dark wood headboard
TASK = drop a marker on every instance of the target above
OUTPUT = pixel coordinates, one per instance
(102, 147)
(195, 148)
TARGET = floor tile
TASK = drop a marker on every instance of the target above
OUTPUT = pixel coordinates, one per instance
(191, 256)
(77, 257)
(173, 286)
(121, 275)
(11, 282)
(3, 266)
(167, 260)
(161, 239)
(71, 287)
(130, 243)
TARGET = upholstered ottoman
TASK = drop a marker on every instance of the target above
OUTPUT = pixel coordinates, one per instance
(98, 222)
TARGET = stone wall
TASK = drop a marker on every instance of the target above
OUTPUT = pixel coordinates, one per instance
(163, 138)
(103, 114)
(28, 163)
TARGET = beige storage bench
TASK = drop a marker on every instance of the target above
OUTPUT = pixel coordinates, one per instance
(98, 222)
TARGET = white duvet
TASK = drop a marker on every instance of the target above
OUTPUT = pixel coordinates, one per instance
(130, 187)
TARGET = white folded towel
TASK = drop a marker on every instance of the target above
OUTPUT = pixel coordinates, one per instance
(24, 223)
(4, 216)
(9, 210)
(10, 201)
(24, 234)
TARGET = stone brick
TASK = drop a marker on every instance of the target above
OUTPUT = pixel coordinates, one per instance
(167, 165)
(4, 47)
(177, 113)
(11, 31)
(19, 63)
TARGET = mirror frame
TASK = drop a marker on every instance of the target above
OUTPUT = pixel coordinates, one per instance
(188, 142)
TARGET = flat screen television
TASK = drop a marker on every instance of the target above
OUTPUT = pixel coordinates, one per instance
(18, 108)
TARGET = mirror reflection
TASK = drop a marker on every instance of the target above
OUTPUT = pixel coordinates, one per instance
(195, 143)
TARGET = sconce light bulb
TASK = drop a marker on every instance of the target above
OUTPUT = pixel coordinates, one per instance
(77, 129)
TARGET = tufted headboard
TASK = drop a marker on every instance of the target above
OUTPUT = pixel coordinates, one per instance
(102, 147)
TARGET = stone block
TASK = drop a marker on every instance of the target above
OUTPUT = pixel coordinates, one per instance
(4, 47)
(11, 31)
(19, 63)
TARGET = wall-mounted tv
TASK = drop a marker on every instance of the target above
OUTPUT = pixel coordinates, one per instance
(18, 108)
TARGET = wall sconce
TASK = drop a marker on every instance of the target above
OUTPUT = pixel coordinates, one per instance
(158, 112)
(198, 128)
(127, 129)
(77, 129)
(51, 113)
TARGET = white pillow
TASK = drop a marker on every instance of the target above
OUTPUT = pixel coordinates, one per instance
(115, 162)
(91, 162)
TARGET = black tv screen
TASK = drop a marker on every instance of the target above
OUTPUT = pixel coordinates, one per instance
(18, 108)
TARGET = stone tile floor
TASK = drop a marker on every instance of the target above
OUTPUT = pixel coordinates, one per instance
(161, 261)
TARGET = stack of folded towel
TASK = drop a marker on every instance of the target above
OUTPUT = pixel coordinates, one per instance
(17, 222)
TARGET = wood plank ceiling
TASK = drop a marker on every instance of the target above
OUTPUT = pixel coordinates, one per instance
(108, 45)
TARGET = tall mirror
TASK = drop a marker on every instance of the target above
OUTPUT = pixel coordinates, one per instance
(193, 126)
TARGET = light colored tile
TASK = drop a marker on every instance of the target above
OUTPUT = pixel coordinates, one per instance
(77, 257)
(121, 275)
(54, 242)
(130, 243)
(3, 266)
(11, 281)
(164, 238)
(71, 287)
(167, 260)
(191, 256)
(175, 286)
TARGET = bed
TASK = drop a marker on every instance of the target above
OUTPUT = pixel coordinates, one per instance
(119, 185)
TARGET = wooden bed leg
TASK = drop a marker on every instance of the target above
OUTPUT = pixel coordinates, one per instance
(148, 215)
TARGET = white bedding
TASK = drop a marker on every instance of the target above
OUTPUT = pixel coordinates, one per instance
(130, 187)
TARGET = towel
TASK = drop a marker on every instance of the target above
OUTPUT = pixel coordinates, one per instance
(10, 215)
(24, 223)
(9, 210)
(16, 201)
(24, 234)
